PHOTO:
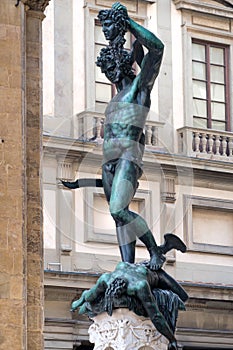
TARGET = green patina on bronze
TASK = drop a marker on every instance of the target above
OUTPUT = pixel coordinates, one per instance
(125, 119)
(143, 288)
(148, 293)
(126, 115)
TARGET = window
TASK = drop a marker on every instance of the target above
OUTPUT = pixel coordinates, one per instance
(210, 85)
(103, 87)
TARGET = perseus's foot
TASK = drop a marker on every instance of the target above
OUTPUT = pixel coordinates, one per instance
(173, 346)
(157, 259)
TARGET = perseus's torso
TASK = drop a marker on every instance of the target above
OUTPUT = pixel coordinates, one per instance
(123, 128)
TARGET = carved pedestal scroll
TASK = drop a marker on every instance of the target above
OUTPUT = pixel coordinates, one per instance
(124, 330)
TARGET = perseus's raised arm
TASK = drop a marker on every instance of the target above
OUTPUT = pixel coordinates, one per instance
(145, 37)
(151, 62)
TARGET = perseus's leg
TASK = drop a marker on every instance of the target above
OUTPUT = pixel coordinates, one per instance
(126, 239)
(123, 188)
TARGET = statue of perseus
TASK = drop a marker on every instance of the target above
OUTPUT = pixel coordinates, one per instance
(125, 118)
(123, 148)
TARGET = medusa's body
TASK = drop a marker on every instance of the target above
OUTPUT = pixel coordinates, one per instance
(133, 280)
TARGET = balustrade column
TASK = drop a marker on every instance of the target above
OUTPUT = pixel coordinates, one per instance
(210, 144)
(154, 139)
(204, 142)
(224, 145)
(230, 146)
(196, 142)
(148, 135)
(217, 144)
(99, 125)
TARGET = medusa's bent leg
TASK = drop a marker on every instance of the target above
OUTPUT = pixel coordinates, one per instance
(144, 294)
(167, 282)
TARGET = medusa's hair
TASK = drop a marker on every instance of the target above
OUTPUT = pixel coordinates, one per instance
(118, 58)
(119, 18)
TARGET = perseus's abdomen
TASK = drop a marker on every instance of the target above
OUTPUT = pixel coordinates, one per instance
(126, 114)
(125, 148)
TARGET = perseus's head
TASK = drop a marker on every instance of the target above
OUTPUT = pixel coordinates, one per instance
(114, 23)
(116, 65)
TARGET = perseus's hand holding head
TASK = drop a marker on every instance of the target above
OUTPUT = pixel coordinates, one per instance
(117, 6)
(114, 21)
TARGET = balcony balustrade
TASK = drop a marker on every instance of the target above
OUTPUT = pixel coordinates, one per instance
(88, 126)
(206, 143)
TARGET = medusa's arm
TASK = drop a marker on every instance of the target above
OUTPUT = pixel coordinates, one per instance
(91, 294)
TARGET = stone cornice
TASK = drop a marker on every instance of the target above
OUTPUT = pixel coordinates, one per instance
(73, 280)
(222, 8)
(36, 5)
(66, 283)
(73, 148)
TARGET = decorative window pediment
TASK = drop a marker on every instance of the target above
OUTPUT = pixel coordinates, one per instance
(228, 3)
(217, 7)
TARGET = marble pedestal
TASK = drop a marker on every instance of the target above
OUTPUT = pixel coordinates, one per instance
(124, 330)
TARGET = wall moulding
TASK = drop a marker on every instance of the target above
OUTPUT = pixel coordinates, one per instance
(212, 22)
(131, 5)
(218, 239)
(97, 207)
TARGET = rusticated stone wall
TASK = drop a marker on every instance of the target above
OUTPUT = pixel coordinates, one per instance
(12, 168)
(21, 249)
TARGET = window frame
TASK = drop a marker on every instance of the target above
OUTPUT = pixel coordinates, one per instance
(208, 44)
(189, 203)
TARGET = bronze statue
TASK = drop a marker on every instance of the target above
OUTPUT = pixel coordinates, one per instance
(144, 288)
(126, 114)
(152, 294)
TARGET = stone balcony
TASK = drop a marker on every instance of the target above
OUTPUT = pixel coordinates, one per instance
(206, 143)
(89, 126)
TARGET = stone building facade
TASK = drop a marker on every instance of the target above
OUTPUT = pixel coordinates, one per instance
(186, 187)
